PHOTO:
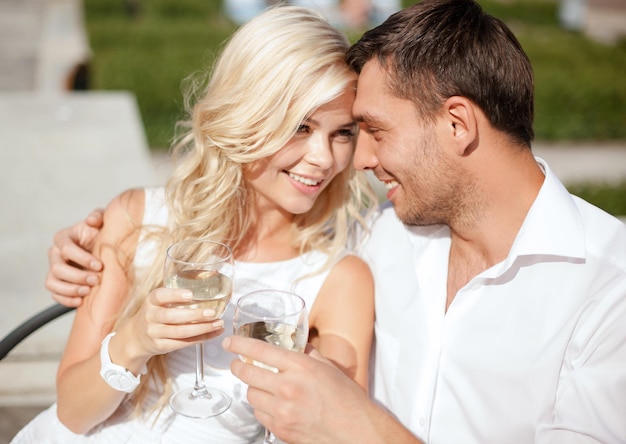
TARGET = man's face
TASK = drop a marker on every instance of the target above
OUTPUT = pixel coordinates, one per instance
(403, 151)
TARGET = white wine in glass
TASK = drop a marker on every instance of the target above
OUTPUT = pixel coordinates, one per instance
(206, 268)
(274, 316)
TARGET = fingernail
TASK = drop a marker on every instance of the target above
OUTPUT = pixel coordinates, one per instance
(218, 323)
(226, 342)
(92, 280)
(208, 313)
(187, 295)
(83, 291)
(95, 265)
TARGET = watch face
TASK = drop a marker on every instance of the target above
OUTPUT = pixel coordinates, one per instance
(120, 381)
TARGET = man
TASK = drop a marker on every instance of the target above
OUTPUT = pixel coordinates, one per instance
(501, 298)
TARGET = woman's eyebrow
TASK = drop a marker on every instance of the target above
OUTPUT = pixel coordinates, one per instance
(310, 120)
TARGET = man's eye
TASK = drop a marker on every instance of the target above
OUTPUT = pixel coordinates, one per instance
(374, 133)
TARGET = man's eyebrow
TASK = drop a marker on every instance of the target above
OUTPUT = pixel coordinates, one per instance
(366, 118)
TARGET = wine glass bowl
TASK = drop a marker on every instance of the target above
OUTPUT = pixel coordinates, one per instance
(211, 289)
(275, 316)
(207, 269)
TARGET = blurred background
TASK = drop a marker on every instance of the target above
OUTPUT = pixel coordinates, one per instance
(577, 48)
(148, 47)
(90, 91)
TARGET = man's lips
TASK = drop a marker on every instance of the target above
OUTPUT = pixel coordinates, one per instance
(390, 184)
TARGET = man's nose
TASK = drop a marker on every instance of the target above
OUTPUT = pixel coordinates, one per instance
(364, 156)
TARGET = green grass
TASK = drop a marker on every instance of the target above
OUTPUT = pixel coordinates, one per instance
(611, 198)
(580, 84)
(580, 88)
(152, 53)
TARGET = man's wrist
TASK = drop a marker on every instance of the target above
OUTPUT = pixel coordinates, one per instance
(385, 428)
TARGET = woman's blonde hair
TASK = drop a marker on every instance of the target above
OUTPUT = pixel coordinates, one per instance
(273, 73)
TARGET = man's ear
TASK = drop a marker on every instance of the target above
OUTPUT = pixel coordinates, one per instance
(462, 122)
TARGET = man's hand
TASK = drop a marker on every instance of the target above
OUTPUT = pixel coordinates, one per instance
(73, 269)
(309, 400)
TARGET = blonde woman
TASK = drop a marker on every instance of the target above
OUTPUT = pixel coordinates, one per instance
(265, 165)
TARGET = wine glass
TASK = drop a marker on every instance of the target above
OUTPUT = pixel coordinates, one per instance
(278, 317)
(206, 268)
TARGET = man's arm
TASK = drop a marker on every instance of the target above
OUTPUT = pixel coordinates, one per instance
(73, 269)
(310, 400)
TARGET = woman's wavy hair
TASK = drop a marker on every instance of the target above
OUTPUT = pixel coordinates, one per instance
(273, 73)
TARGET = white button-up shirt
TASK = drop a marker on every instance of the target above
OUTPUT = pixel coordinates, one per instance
(532, 350)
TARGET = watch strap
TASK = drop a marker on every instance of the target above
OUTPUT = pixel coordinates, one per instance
(116, 376)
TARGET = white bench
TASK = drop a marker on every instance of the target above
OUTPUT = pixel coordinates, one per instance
(60, 156)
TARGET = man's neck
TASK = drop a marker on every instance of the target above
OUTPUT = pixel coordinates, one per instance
(485, 237)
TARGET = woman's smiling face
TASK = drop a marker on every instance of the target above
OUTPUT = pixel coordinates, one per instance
(293, 178)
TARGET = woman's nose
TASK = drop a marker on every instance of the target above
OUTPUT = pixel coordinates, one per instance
(320, 152)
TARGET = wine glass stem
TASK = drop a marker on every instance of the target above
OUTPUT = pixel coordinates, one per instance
(269, 437)
(199, 389)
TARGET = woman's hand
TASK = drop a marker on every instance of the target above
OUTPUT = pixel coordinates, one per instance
(168, 320)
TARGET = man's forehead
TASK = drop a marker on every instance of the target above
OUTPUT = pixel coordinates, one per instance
(370, 89)
(372, 70)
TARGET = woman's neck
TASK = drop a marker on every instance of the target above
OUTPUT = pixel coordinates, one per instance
(271, 239)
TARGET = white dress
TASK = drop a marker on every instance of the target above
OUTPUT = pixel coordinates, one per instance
(237, 424)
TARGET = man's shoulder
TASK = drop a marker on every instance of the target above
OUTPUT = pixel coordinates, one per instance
(605, 235)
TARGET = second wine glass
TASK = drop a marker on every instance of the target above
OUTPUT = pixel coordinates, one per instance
(277, 317)
(207, 269)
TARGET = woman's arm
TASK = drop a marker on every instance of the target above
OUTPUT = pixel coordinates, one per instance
(84, 398)
(342, 318)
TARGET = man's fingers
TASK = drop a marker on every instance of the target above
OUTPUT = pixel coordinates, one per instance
(71, 253)
(68, 301)
(95, 218)
(260, 351)
(66, 289)
(67, 273)
(263, 406)
(258, 378)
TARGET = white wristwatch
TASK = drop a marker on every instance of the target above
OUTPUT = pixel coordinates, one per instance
(115, 375)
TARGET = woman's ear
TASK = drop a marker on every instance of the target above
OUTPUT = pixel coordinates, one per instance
(462, 122)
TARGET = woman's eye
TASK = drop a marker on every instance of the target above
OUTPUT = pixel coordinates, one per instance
(346, 132)
(345, 135)
(304, 129)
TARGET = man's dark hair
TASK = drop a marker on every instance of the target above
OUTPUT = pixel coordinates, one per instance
(442, 48)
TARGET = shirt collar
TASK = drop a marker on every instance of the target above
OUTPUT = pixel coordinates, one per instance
(553, 225)
(552, 229)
